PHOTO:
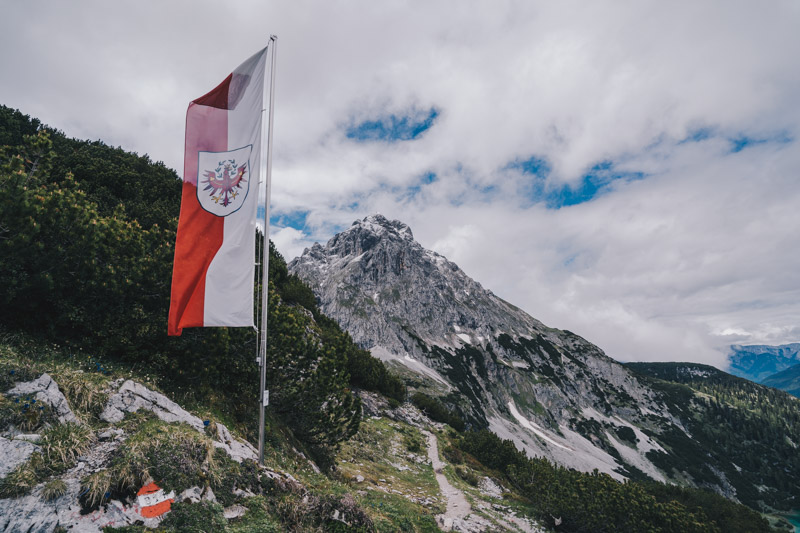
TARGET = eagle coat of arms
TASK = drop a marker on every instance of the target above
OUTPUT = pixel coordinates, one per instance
(224, 180)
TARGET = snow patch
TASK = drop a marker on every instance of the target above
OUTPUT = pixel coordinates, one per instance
(464, 337)
(532, 426)
(635, 458)
(583, 456)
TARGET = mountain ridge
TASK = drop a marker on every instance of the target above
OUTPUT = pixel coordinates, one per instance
(553, 393)
(759, 361)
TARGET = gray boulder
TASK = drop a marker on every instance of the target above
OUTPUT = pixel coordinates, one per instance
(44, 389)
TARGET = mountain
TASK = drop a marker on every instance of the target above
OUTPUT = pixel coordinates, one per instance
(553, 393)
(788, 380)
(758, 362)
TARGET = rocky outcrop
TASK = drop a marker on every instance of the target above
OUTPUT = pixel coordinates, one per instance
(34, 513)
(45, 390)
(14, 453)
(133, 396)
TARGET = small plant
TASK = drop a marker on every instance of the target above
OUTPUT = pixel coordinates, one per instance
(201, 517)
(54, 489)
(64, 443)
(467, 475)
(413, 443)
(96, 488)
(453, 454)
(14, 373)
(26, 413)
(20, 480)
(86, 392)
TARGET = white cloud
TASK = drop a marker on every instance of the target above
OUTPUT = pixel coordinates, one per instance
(701, 251)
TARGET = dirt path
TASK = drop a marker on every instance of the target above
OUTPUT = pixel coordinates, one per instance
(457, 505)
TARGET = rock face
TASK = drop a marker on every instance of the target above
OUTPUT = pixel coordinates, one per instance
(33, 512)
(133, 396)
(552, 392)
(504, 369)
(14, 453)
(46, 390)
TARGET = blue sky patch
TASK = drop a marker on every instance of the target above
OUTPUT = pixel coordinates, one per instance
(393, 128)
(741, 142)
(598, 181)
(412, 191)
(535, 166)
(698, 135)
(293, 219)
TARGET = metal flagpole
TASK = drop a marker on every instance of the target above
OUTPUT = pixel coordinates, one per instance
(264, 394)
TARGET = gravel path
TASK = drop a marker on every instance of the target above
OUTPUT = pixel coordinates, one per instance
(457, 505)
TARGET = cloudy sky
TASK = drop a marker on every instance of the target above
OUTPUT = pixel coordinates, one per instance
(627, 170)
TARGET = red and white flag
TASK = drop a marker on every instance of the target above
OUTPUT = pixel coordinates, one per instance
(213, 273)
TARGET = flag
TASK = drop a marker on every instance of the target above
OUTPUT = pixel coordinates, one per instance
(213, 272)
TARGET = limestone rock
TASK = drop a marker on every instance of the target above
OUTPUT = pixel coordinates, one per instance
(234, 511)
(44, 389)
(238, 450)
(133, 396)
(191, 495)
(14, 453)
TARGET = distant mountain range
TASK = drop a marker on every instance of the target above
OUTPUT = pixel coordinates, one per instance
(553, 393)
(774, 366)
(788, 380)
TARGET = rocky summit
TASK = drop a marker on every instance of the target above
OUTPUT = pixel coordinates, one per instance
(552, 392)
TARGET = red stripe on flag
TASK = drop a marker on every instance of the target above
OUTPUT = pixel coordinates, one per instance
(217, 97)
(200, 233)
(199, 237)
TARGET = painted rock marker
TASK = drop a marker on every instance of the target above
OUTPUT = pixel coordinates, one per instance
(153, 502)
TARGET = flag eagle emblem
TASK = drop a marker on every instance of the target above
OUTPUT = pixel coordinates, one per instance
(225, 180)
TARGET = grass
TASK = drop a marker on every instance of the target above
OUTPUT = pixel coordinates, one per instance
(60, 446)
(64, 443)
(86, 392)
(176, 456)
(22, 479)
(399, 491)
(54, 489)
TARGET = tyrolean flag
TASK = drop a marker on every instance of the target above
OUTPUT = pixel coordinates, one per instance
(213, 272)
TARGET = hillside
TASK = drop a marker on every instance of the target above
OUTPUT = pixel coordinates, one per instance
(96, 401)
(788, 380)
(755, 427)
(100, 433)
(553, 393)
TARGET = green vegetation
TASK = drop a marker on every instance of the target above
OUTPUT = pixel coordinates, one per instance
(436, 410)
(596, 502)
(398, 488)
(87, 235)
(750, 430)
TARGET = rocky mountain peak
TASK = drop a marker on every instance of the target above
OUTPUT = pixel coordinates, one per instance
(552, 392)
(367, 233)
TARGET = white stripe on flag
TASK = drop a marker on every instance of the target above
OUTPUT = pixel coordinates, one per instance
(229, 286)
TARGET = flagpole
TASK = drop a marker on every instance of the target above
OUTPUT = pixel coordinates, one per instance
(264, 393)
